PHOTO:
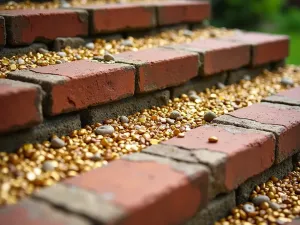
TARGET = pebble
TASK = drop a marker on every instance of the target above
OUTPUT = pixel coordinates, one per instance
(96, 157)
(192, 92)
(124, 119)
(49, 165)
(62, 54)
(195, 97)
(77, 56)
(57, 143)
(127, 42)
(248, 208)
(274, 205)
(64, 4)
(174, 114)
(260, 199)
(108, 57)
(21, 61)
(58, 62)
(188, 33)
(287, 81)
(213, 139)
(90, 45)
(170, 121)
(103, 130)
(247, 77)
(42, 50)
(209, 116)
(220, 85)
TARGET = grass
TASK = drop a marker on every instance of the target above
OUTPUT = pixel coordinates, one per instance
(294, 57)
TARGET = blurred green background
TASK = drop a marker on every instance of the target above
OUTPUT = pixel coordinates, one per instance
(272, 16)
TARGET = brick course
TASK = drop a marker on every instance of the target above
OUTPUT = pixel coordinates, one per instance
(289, 97)
(21, 105)
(27, 26)
(2, 31)
(76, 85)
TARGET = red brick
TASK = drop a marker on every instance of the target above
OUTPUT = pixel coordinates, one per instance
(289, 97)
(76, 85)
(160, 68)
(21, 105)
(249, 152)
(218, 55)
(265, 47)
(119, 17)
(150, 192)
(174, 12)
(294, 222)
(2, 31)
(27, 26)
(30, 212)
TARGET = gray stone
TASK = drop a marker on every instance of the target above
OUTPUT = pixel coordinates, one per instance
(90, 45)
(280, 170)
(198, 84)
(220, 85)
(209, 116)
(62, 42)
(21, 61)
(9, 52)
(195, 97)
(274, 205)
(170, 121)
(57, 143)
(174, 114)
(108, 57)
(62, 54)
(216, 210)
(82, 202)
(49, 165)
(260, 199)
(43, 50)
(248, 208)
(287, 81)
(127, 42)
(96, 157)
(124, 119)
(125, 107)
(59, 125)
(105, 130)
(188, 33)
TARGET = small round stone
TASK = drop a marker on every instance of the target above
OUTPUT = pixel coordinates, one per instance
(220, 85)
(127, 42)
(192, 92)
(188, 33)
(49, 165)
(124, 119)
(58, 62)
(57, 143)
(174, 114)
(248, 208)
(260, 199)
(108, 57)
(104, 130)
(274, 205)
(96, 157)
(21, 61)
(287, 81)
(170, 121)
(64, 4)
(90, 45)
(195, 97)
(209, 116)
(213, 139)
(62, 54)
(42, 50)
(247, 77)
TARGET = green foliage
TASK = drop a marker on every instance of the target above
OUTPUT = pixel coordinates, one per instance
(288, 20)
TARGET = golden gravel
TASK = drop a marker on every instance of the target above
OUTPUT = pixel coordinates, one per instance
(101, 46)
(285, 192)
(12, 5)
(39, 165)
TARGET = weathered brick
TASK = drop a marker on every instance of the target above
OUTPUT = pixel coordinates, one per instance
(2, 31)
(174, 12)
(160, 68)
(289, 97)
(30, 212)
(27, 26)
(83, 202)
(295, 222)
(76, 85)
(282, 120)
(265, 47)
(218, 55)
(127, 106)
(161, 190)
(21, 105)
(119, 17)
(244, 148)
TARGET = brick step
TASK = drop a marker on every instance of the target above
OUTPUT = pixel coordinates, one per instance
(77, 85)
(168, 183)
(23, 27)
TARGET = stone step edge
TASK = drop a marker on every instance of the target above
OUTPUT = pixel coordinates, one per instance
(168, 183)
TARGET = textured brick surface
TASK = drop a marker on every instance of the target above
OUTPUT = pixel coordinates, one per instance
(244, 148)
(119, 17)
(27, 26)
(2, 31)
(174, 12)
(21, 105)
(289, 97)
(265, 47)
(30, 212)
(79, 84)
(160, 68)
(218, 55)
(161, 190)
(282, 120)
